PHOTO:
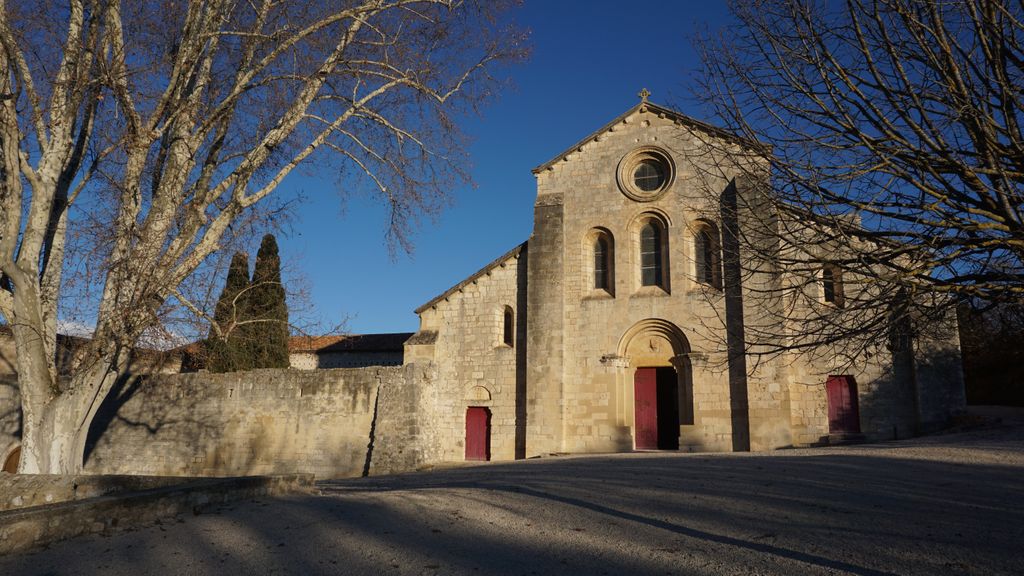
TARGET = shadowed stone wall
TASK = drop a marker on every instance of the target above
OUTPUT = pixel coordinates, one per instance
(81, 504)
(331, 423)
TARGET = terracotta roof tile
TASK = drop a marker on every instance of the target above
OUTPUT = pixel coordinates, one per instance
(311, 343)
(388, 342)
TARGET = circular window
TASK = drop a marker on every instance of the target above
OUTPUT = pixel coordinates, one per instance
(649, 175)
(645, 174)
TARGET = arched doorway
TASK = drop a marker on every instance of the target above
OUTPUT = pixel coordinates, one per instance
(660, 388)
(12, 461)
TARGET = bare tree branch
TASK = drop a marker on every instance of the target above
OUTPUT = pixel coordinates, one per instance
(170, 126)
(893, 133)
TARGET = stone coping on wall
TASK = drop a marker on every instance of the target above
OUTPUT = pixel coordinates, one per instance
(27, 490)
(34, 526)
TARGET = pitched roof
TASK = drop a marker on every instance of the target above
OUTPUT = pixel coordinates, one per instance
(647, 106)
(494, 264)
(310, 343)
(388, 342)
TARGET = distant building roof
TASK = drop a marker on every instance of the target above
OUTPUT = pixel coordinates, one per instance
(311, 343)
(390, 342)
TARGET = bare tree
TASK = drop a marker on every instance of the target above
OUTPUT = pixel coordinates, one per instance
(178, 119)
(892, 134)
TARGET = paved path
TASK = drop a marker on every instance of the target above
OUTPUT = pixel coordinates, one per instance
(950, 504)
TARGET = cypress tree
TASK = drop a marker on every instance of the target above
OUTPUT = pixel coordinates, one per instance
(268, 335)
(228, 354)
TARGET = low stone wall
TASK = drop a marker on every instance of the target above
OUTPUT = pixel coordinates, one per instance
(250, 423)
(27, 528)
(399, 443)
(331, 423)
(27, 490)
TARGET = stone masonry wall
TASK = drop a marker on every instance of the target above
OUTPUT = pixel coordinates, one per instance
(940, 376)
(313, 360)
(901, 391)
(398, 441)
(545, 334)
(475, 367)
(596, 388)
(330, 423)
(245, 423)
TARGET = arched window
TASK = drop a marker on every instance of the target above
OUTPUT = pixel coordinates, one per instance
(651, 273)
(598, 265)
(832, 285)
(707, 256)
(509, 329)
(602, 268)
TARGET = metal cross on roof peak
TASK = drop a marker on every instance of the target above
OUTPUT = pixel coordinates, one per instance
(644, 93)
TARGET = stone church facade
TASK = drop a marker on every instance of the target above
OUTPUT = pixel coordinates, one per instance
(622, 323)
(619, 324)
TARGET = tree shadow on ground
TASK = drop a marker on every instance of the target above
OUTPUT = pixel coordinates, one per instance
(866, 501)
(855, 510)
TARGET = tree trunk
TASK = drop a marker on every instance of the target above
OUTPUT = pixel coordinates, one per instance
(52, 441)
(54, 431)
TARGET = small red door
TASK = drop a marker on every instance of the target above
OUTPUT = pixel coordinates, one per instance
(478, 433)
(645, 399)
(843, 413)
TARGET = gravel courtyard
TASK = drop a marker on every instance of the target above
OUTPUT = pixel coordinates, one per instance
(948, 504)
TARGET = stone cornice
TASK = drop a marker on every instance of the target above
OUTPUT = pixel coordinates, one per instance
(513, 253)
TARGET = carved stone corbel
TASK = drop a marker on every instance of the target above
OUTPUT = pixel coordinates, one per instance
(615, 361)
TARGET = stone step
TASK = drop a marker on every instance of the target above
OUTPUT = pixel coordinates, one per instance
(839, 438)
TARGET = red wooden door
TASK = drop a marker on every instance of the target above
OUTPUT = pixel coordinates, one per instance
(843, 413)
(645, 399)
(478, 433)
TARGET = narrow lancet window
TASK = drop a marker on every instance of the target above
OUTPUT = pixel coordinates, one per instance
(601, 267)
(705, 249)
(650, 255)
(832, 285)
(508, 335)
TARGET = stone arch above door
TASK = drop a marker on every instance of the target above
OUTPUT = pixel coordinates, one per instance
(653, 342)
(478, 394)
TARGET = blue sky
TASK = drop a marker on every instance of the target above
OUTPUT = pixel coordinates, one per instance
(589, 61)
